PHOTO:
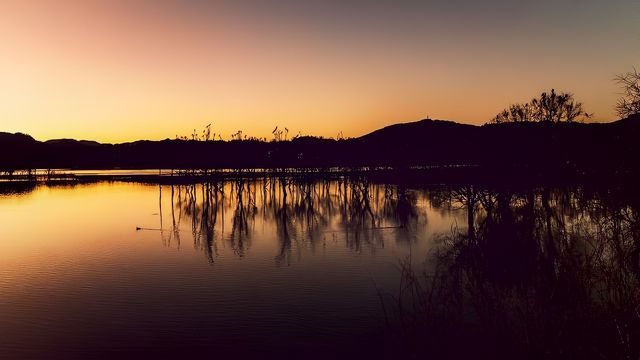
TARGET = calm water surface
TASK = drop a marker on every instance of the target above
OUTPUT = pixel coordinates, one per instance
(241, 267)
(343, 268)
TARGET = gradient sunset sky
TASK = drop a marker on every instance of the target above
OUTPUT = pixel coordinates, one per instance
(119, 70)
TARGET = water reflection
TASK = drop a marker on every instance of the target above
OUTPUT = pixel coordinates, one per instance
(301, 213)
(532, 272)
(16, 188)
(548, 271)
(253, 260)
(551, 273)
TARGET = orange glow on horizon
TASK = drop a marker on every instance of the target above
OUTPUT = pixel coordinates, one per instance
(122, 71)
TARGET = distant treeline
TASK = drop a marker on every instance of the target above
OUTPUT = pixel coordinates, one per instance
(576, 147)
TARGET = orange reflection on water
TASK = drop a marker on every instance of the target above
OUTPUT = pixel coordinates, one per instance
(222, 254)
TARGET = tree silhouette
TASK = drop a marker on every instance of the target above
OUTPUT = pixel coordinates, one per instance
(548, 107)
(629, 103)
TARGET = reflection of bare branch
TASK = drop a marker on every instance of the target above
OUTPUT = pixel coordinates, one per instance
(245, 210)
(303, 211)
(544, 270)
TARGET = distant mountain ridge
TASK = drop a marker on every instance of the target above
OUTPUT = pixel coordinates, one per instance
(421, 143)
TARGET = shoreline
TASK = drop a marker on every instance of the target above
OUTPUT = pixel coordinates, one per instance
(512, 177)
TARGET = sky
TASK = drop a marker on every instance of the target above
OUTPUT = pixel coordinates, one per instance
(123, 70)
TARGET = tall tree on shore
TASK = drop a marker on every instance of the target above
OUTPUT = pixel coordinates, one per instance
(548, 107)
(629, 103)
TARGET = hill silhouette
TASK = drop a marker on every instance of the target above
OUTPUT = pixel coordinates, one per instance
(574, 147)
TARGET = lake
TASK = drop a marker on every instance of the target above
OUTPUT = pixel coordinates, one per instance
(343, 267)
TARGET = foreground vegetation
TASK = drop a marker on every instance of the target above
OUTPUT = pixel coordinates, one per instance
(533, 274)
